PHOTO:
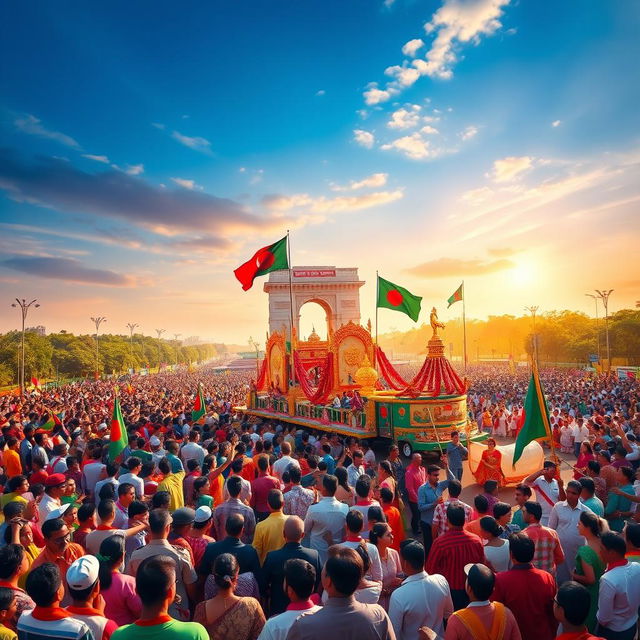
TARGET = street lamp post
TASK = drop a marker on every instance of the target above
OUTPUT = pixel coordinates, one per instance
(131, 326)
(175, 337)
(159, 332)
(533, 310)
(24, 309)
(256, 346)
(604, 296)
(595, 299)
(98, 321)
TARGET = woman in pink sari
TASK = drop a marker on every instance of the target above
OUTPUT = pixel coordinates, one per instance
(586, 454)
(490, 465)
(227, 616)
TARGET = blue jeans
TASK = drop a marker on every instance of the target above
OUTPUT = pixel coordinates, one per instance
(457, 473)
(576, 448)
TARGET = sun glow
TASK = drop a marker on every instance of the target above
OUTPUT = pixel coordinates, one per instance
(524, 273)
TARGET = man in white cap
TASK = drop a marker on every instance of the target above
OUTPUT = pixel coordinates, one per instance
(87, 603)
(157, 452)
(199, 537)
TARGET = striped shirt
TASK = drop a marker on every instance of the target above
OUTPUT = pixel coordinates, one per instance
(451, 552)
(51, 623)
(548, 554)
(440, 514)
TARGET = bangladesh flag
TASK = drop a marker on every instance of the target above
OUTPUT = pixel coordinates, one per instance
(51, 422)
(199, 408)
(118, 436)
(535, 417)
(391, 296)
(265, 260)
(457, 295)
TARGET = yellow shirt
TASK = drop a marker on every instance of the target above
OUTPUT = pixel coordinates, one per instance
(172, 484)
(7, 634)
(6, 498)
(269, 534)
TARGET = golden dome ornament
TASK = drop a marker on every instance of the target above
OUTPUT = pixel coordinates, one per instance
(366, 376)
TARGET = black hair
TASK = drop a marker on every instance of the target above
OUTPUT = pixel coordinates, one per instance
(330, 484)
(107, 492)
(481, 503)
(263, 463)
(236, 465)
(111, 553)
(164, 466)
(525, 489)
(137, 507)
(300, 576)
(521, 547)
(412, 552)
(490, 486)
(192, 464)
(377, 531)
(455, 515)
(588, 484)
(15, 482)
(575, 600)
(51, 526)
(7, 596)
(234, 524)
(86, 511)
(106, 509)
(433, 468)
(376, 514)
(455, 488)
(225, 569)
(12, 510)
(234, 486)
(343, 478)
(490, 525)
(632, 533)
(344, 567)
(43, 583)
(275, 499)
(133, 463)
(198, 484)
(481, 581)
(11, 556)
(386, 495)
(154, 578)
(355, 521)
(627, 472)
(614, 542)
(594, 465)
(501, 509)
(592, 522)
(158, 520)
(295, 475)
(534, 509)
(160, 500)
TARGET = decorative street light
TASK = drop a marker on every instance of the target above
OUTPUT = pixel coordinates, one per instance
(595, 299)
(98, 321)
(533, 310)
(24, 308)
(159, 332)
(604, 296)
(175, 337)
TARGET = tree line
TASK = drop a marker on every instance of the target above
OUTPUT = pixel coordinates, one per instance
(65, 355)
(562, 336)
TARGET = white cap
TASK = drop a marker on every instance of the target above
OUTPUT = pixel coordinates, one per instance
(57, 513)
(102, 426)
(154, 441)
(83, 573)
(203, 514)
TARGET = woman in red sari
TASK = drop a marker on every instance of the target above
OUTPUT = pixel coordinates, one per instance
(490, 465)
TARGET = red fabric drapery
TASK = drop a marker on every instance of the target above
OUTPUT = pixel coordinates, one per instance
(389, 374)
(321, 394)
(261, 382)
(436, 377)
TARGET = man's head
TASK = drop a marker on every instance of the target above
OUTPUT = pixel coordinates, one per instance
(355, 521)
(156, 581)
(521, 548)
(571, 605)
(275, 500)
(44, 585)
(183, 519)
(363, 487)
(54, 485)
(299, 579)
(87, 516)
(455, 437)
(8, 606)
(285, 448)
(625, 476)
(56, 535)
(455, 516)
(549, 470)
(593, 468)
(588, 487)
(614, 547)
(13, 561)
(455, 488)
(293, 529)
(491, 488)
(106, 511)
(604, 458)
(342, 571)
(159, 524)
(234, 486)
(126, 494)
(358, 457)
(329, 485)
(573, 491)
(386, 495)
(481, 504)
(480, 582)
(412, 556)
(263, 464)
(416, 459)
(82, 579)
(523, 493)
(234, 525)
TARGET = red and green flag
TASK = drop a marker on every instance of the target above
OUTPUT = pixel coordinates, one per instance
(457, 295)
(51, 422)
(535, 417)
(392, 296)
(265, 260)
(118, 433)
(199, 408)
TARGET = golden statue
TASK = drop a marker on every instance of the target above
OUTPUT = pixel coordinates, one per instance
(435, 323)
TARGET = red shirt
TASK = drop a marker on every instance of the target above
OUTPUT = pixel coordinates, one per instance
(248, 469)
(578, 635)
(529, 593)
(260, 488)
(221, 435)
(451, 552)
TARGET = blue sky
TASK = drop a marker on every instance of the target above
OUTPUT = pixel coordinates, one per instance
(149, 148)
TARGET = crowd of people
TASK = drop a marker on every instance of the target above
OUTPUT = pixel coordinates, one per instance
(234, 528)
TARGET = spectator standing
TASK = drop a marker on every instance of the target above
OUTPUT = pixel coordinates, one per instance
(298, 499)
(571, 608)
(457, 453)
(261, 487)
(233, 505)
(548, 550)
(415, 476)
(548, 490)
(269, 532)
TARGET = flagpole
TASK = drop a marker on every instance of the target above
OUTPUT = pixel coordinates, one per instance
(375, 358)
(293, 369)
(464, 327)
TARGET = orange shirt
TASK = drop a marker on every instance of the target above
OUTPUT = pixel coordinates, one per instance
(474, 527)
(12, 464)
(216, 487)
(248, 469)
(62, 561)
(394, 520)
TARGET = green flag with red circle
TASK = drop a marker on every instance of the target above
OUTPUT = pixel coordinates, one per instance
(270, 258)
(118, 439)
(392, 296)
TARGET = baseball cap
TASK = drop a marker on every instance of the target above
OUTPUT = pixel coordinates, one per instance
(83, 573)
(57, 513)
(55, 480)
(183, 515)
(154, 441)
(203, 514)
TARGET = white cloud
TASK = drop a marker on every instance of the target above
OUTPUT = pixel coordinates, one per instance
(429, 130)
(411, 48)
(34, 127)
(404, 76)
(135, 169)
(324, 205)
(405, 117)
(373, 95)
(185, 183)
(469, 132)
(413, 146)
(242, 169)
(508, 168)
(364, 138)
(556, 123)
(102, 159)
(321, 92)
(158, 125)
(195, 142)
(375, 180)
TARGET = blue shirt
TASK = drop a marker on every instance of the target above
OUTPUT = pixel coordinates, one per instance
(175, 462)
(331, 463)
(455, 454)
(428, 497)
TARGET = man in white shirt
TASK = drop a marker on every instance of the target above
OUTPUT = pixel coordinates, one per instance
(54, 486)
(421, 600)
(134, 465)
(281, 465)
(356, 468)
(580, 433)
(619, 593)
(192, 450)
(92, 473)
(547, 489)
(299, 581)
(325, 520)
(245, 491)
(355, 523)
(564, 518)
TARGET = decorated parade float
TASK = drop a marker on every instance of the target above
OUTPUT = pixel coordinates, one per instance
(299, 379)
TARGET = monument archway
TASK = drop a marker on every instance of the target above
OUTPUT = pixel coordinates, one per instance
(335, 289)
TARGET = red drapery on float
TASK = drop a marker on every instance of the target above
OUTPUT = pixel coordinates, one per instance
(261, 382)
(389, 374)
(325, 386)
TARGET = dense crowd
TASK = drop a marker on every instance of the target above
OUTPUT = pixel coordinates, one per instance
(238, 529)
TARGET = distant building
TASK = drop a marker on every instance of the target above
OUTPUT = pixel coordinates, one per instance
(39, 330)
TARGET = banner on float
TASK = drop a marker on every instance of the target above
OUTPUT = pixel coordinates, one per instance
(628, 373)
